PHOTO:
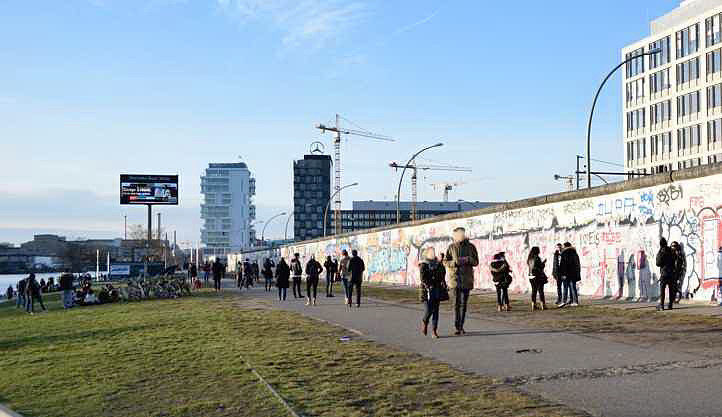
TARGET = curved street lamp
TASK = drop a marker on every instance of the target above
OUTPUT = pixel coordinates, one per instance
(263, 231)
(325, 212)
(594, 104)
(398, 193)
(285, 234)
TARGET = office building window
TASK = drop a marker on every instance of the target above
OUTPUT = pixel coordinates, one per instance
(712, 30)
(659, 143)
(660, 112)
(635, 91)
(714, 96)
(687, 41)
(688, 137)
(635, 66)
(635, 119)
(714, 61)
(659, 81)
(687, 104)
(688, 71)
(663, 57)
(714, 132)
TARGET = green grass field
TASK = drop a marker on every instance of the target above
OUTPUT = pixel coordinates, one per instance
(187, 357)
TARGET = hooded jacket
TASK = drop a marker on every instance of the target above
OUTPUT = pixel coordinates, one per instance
(666, 263)
(283, 273)
(461, 274)
(313, 269)
(569, 265)
(500, 273)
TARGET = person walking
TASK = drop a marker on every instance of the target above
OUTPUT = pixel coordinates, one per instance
(557, 276)
(68, 289)
(357, 267)
(570, 269)
(537, 278)
(247, 273)
(217, 270)
(9, 292)
(331, 270)
(256, 270)
(680, 269)
(206, 273)
(268, 273)
(283, 272)
(433, 281)
(296, 271)
(620, 274)
(21, 300)
(343, 272)
(193, 273)
(32, 293)
(460, 260)
(501, 276)
(313, 272)
(667, 273)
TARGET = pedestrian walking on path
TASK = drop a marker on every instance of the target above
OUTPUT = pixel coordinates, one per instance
(344, 274)
(460, 260)
(433, 281)
(557, 275)
(313, 272)
(9, 292)
(217, 273)
(32, 293)
(331, 270)
(501, 275)
(68, 289)
(268, 273)
(22, 291)
(570, 269)
(296, 271)
(357, 267)
(283, 272)
(667, 273)
(537, 278)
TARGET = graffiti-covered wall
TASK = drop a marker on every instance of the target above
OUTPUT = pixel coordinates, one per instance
(616, 231)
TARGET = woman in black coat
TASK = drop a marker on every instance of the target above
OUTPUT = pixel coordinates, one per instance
(283, 275)
(433, 281)
(537, 278)
(501, 275)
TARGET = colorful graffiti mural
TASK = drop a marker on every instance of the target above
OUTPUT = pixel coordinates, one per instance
(617, 237)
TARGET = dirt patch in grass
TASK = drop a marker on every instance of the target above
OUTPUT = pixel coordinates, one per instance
(676, 330)
(187, 357)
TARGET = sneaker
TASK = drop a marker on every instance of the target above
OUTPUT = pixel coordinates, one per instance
(314, 301)
(562, 305)
(307, 302)
(574, 304)
(434, 334)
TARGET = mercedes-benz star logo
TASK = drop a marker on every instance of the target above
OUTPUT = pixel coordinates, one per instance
(317, 147)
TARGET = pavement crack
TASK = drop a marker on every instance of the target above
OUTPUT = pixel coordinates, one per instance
(611, 372)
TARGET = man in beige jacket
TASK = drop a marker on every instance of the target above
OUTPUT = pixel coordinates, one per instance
(460, 259)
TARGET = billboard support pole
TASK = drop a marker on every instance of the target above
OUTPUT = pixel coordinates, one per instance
(150, 237)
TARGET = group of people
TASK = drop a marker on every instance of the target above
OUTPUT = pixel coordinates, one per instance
(348, 270)
(30, 290)
(217, 268)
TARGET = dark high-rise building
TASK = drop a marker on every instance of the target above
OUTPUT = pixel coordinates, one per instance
(311, 192)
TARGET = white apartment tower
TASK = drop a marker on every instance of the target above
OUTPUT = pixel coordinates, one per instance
(672, 100)
(227, 210)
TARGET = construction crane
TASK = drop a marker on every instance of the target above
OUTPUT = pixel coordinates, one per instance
(415, 167)
(337, 160)
(446, 187)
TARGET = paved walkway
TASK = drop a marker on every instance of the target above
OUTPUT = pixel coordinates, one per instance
(600, 377)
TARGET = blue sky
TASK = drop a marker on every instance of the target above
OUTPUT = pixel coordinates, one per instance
(93, 88)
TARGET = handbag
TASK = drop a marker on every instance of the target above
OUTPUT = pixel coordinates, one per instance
(444, 293)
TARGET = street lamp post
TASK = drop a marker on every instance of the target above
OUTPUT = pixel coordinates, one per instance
(594, 104)
(285, 235)
(398, 193)
(263, 231)
(325, 212)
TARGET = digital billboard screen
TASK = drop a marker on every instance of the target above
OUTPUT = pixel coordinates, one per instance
(149, 189)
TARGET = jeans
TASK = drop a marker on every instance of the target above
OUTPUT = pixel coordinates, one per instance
(432, 312)
(461, 299)
(67, 298)
(269, 283)
(30, 306)
(329, 285)
(560, 285)
(537, 288)
(357, 286)
(345, 288)
(671, 286)
(502, 295)
(620, 281)
(217, 284)
(311, 284)
(282, 294)
(297, 287)
(570, 288)
(20, 301)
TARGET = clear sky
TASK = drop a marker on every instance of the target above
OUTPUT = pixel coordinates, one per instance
(90, 89)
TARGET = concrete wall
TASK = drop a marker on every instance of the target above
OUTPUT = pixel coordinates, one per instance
(607, 224)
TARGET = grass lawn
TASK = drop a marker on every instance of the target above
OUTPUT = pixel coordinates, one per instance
(187, 357)
(676, 330)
